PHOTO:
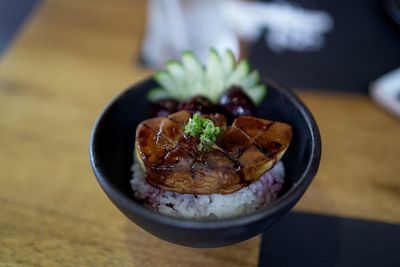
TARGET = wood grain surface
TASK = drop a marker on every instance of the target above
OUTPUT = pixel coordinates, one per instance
(71, 58)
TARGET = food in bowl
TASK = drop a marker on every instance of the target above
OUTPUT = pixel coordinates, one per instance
(208, 156)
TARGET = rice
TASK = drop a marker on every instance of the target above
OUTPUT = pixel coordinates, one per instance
(248, 199)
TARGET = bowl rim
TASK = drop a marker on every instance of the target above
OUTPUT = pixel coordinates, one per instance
(291, 196)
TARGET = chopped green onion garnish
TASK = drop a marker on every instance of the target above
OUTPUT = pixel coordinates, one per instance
(204, 129)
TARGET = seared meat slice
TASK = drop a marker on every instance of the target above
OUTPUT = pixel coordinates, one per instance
(241, 154)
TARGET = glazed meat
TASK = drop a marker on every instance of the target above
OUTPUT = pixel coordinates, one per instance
(241, 154)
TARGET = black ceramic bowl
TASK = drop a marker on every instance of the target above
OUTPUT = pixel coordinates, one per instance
(111, 156)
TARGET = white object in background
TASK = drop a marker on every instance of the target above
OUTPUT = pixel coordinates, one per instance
(386, 91)
(290, 27)
(177, 25)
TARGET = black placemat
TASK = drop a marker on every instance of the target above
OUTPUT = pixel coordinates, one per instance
(302, 239)
(363, 45)
(12, 15)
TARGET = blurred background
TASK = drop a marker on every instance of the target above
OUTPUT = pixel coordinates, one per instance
(61, 61)
(304, 44)
(309, 44)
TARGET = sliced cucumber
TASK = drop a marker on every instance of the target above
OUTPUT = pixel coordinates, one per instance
(257, 93)
(194, 72)
(192, 64)
(228, 62)
(190, 78)
(176, 71)
(240, 73)
(214, 76)
(250, 80)
(178, 74)
(165, 80)
(156, 94)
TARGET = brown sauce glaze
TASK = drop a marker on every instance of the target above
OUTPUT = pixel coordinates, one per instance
(241, 154)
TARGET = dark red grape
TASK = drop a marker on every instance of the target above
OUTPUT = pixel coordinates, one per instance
(163, 108)
(234, 102)
(198, 104)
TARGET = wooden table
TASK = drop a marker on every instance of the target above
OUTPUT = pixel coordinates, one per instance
(70, 59)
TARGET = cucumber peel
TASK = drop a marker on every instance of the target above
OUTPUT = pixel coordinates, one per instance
(188, 78)
(157, 94)
(166, 80)
(214, 76)
(228, 62)
(257, 93)
(250, 80)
